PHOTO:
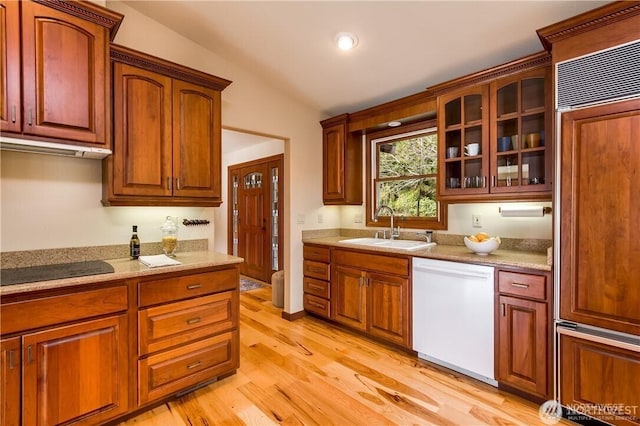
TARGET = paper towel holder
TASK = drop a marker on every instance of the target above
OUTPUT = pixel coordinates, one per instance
(523, 211)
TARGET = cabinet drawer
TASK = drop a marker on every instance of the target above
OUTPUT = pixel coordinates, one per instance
(317, 305)
(162, 327)
(372, 262)
(320, 254)
(173, 289)
(526, 285)
(316, 287)
(316, 270)
(178, 369)
(44, 311)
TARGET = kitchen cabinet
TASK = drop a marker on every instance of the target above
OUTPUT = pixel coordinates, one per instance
(182, 340)
(493, 133)
(10, 379)
(167, 134)
(77, 349)
(342, 163)
(370, 293)
(524, 332)
(56, 63)
(600, 379)
(317, 280)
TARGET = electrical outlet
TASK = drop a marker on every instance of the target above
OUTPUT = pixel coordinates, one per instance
(300, 219)
(475, 221)
(357, 218)
(320, 218)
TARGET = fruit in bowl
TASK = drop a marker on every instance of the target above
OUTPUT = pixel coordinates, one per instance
(481, 243)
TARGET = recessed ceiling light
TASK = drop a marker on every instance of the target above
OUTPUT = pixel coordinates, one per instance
(346, 41)
(394, 124)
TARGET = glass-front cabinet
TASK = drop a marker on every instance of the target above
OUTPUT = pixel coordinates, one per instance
(519, 123)
(494, 139)
(463, 126)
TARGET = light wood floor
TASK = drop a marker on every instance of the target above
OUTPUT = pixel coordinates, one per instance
(306, 372)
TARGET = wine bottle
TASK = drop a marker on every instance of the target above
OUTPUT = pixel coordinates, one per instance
(134, 244)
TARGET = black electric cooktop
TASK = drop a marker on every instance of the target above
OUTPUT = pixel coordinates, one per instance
(53, 272)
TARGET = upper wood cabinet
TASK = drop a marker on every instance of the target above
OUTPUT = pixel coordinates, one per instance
(55, 70)
(167, 134)
(507, 112)
(342, 160)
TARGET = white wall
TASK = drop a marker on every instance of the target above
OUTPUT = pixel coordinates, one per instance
(54, 202)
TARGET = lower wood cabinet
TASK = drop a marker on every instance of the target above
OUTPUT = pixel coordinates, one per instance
(523, 332)
(316, 281)
(76, 356)
(370, 293)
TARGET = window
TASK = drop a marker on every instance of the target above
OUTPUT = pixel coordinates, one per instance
(402, 167)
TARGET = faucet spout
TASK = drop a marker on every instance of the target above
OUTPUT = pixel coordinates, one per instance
(393, 234)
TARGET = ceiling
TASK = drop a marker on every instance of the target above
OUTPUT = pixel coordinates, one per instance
(404, 47)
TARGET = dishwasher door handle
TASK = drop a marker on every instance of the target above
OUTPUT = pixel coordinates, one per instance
(453, 272)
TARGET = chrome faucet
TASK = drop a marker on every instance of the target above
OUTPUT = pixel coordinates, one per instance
(393, 234)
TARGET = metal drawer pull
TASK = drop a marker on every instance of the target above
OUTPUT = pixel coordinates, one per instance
(193, 320)
(194, 365)
(169, 186)
(194, 286)
(520, 285)
(11, 360)
(30, 117)
(13, 114)
(317, 305)
(29, 355)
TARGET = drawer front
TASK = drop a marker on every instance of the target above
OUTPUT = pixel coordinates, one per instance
(320, 254)
(317, 305)
(165, 326)
(317, 287)
(372, 262)
(317, 270)
(44, 311)
(525, 285)
(175, 370)
(178, 288)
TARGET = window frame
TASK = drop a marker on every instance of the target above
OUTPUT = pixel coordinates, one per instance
(438, 223)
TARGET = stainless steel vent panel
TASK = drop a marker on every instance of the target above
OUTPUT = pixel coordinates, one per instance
(599, 77)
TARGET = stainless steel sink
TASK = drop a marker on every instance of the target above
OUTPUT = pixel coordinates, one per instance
(408, 245)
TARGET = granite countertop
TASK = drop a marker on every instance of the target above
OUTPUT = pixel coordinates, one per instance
(511, 258)
(127, 268)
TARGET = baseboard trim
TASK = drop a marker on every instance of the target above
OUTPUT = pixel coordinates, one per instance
(293, 316)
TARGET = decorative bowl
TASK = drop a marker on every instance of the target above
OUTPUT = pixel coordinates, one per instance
(483, 248)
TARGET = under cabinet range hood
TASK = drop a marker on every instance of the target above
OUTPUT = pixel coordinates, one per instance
(40, 147)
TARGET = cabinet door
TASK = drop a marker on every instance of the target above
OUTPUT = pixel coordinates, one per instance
(463, 124)
(142, 132)
(520, 137)
(523, 345)
(196, 141)
(65, 76)
(600, 217)
(388, 311)
(333, 148)
(76, 373)
(602, 379)
(349, 297)
(10, 376)
(10, 105)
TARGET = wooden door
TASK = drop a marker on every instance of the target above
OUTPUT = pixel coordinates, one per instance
(65, 75)
(388, 310)
(142, 147)
(253, 222)
(10, 379)
(600, 217)
(349, 297)
(76, 373)
(196, 141)
(523, 344)
(604, 379)
(10, 104)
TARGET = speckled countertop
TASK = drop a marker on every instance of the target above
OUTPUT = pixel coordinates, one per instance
(511, 258)
(126, 269)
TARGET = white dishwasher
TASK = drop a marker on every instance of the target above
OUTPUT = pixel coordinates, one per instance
(453, 316)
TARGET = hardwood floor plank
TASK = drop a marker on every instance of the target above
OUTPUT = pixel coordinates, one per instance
(309, 372)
